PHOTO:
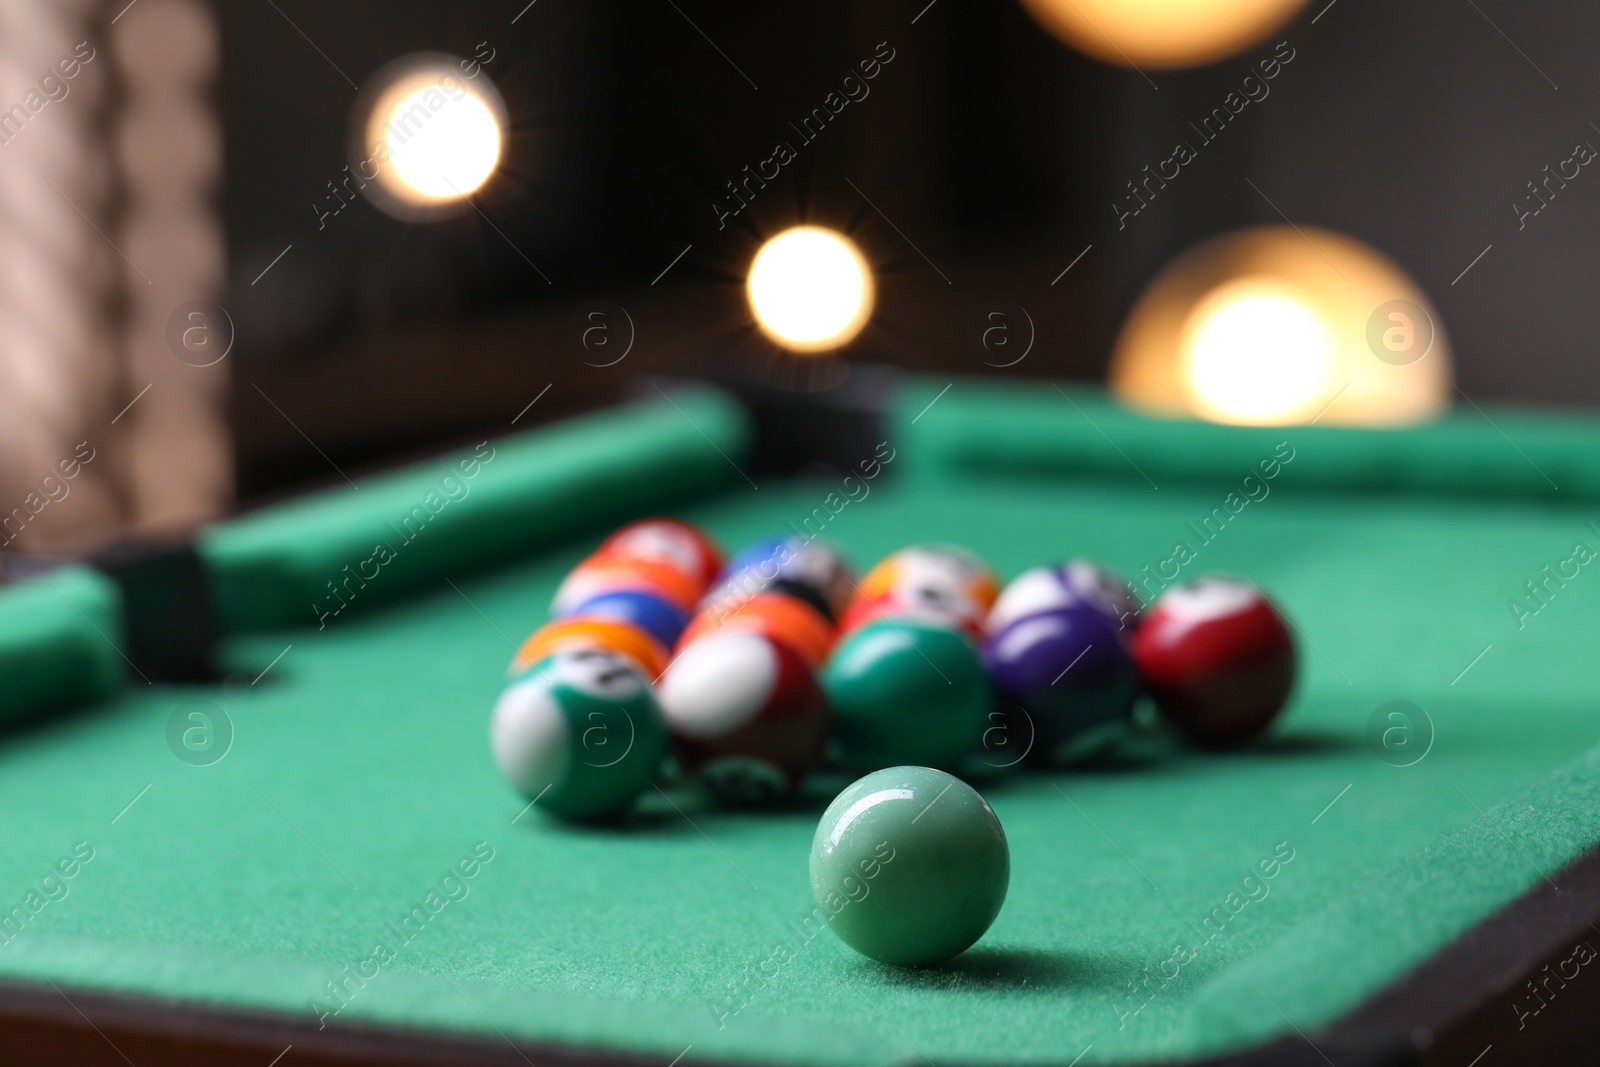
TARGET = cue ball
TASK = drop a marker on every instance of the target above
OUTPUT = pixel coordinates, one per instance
(580, 733)
(1217, 657)
(909, 866)
(907, 690)
(1069, 670)
(746, 715)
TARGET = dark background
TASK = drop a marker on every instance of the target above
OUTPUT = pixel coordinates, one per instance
(985, 158)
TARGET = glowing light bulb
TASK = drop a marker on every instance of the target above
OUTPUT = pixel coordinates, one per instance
(1162, 33)
(810, 289)
(1257, 351)
(428, 135)
(451, 154)
(1283, 324)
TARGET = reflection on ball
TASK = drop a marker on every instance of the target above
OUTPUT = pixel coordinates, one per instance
(1277, 325)
(810, 289)
(1162, 33)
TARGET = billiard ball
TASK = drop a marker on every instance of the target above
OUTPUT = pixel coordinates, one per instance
(949, 565)
(783, 618)
(1070, 674)
(580, 733)
(813, 570)
(671, 541)
(909, 866)
(907, 690)
(655, 615)
(1042, 589)
(937, 581)
(745, 714)
(609, 575)
(1217, 657)
(931, 602)
(608, 635)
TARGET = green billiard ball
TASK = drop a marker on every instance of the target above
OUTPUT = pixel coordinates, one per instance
(907, 690)
(579, 732)
(909, 865)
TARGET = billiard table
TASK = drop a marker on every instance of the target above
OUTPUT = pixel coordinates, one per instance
(310, 854)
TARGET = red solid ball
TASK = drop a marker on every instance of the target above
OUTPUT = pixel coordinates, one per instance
(1217, 657)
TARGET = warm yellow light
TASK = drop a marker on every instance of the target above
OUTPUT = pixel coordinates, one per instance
(1162, 33)
(810, 289)
(1257, 351)
(450, 154)
(430, 136)
(1278, 325)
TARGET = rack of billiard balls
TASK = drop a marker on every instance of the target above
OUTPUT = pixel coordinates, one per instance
(757, 671)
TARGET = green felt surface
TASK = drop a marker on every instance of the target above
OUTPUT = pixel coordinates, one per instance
(981, 425)
(59, 636)
(359, 773)
(366, 545)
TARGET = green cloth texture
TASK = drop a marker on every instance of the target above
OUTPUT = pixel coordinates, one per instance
(366, 546)
(59, 635)
(1141, 919)
(1042, 427)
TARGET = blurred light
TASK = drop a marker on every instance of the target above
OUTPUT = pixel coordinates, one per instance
(1162, 33)
(810, 289)
(1256, 351)
(1277, 325)
(450, 156)
(428, 135)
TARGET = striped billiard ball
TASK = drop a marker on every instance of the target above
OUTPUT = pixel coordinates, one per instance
(654, 614)
(580, 733)
(783, 618)
(1068, 674)
(680, 545)
(1041, 589)
(1217, 657)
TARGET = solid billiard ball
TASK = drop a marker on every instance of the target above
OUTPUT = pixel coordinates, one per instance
(598, 575)
(609, 635)
(1217, 657)
(907, 690)
(655, 615)
(909, 866)
(783, 618)
(676, 543)
(580, 733)
(1068, 672)
(1041, 589)
(812, 570)
(745, 714)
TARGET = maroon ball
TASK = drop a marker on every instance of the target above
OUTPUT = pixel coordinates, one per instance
(746, 715)
(1217, 658)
